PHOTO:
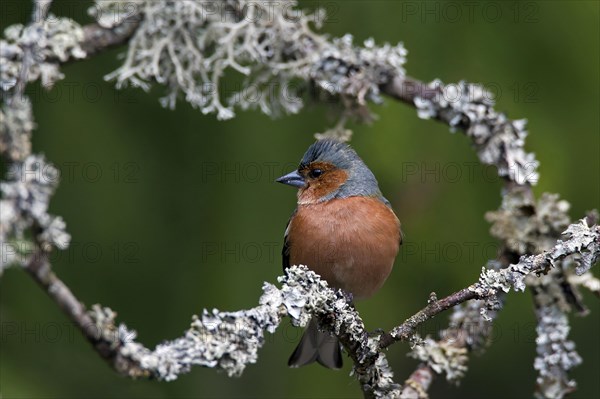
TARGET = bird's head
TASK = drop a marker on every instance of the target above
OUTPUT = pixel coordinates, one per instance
(331, 169)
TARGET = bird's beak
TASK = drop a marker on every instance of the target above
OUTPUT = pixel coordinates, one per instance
(293, 179)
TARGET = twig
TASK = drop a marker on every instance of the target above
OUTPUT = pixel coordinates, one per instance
(40, 10)
(407, 329)
(491, 282)
(98, 38)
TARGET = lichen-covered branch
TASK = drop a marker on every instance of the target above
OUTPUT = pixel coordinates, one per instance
(102, 339)
(26, 195)
(229, 341)
(407, 330)
(416, 386)
(583, 240)
(190, 47)
(498, 140)
(50, 42)
(226, 341)
(280, 54)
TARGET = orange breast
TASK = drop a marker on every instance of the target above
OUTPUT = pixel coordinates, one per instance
(350, 242)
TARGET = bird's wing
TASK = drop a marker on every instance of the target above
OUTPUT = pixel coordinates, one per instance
(285, 251)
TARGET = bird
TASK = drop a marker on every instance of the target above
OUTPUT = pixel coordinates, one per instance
(343, 229)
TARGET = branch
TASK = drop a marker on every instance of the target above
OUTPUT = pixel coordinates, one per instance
(416, 386)
(492, 282)
(40, 270)
(407, 330)
(168, 44)
(97, 38)
(236, 337)
(226, 341)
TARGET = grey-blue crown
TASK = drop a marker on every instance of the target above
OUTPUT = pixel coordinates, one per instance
(361, 181)
(332, 151)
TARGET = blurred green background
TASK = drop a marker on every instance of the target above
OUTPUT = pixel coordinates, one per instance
(172, 211)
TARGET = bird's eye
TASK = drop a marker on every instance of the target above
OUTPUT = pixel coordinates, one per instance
(314, 173)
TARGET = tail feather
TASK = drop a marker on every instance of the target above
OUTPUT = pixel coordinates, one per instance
(317, 346)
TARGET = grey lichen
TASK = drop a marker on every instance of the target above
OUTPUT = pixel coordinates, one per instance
(378, 378)
(41, 46)
(189, 46)
(26, 194)
(29, 53)
(357, 72)
(443, 357)
(416, 386)
(498, 140)
(582, 240)
(556, 354)
(303, 289)
(587, 280)
(229, 341)
(554, 297)
(226, 341)
(16, 125)
(470, 329)
(528, 226)
(470, 323)
(110, 14)
(571, 258)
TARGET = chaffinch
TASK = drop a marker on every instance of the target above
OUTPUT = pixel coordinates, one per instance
(344, 229)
